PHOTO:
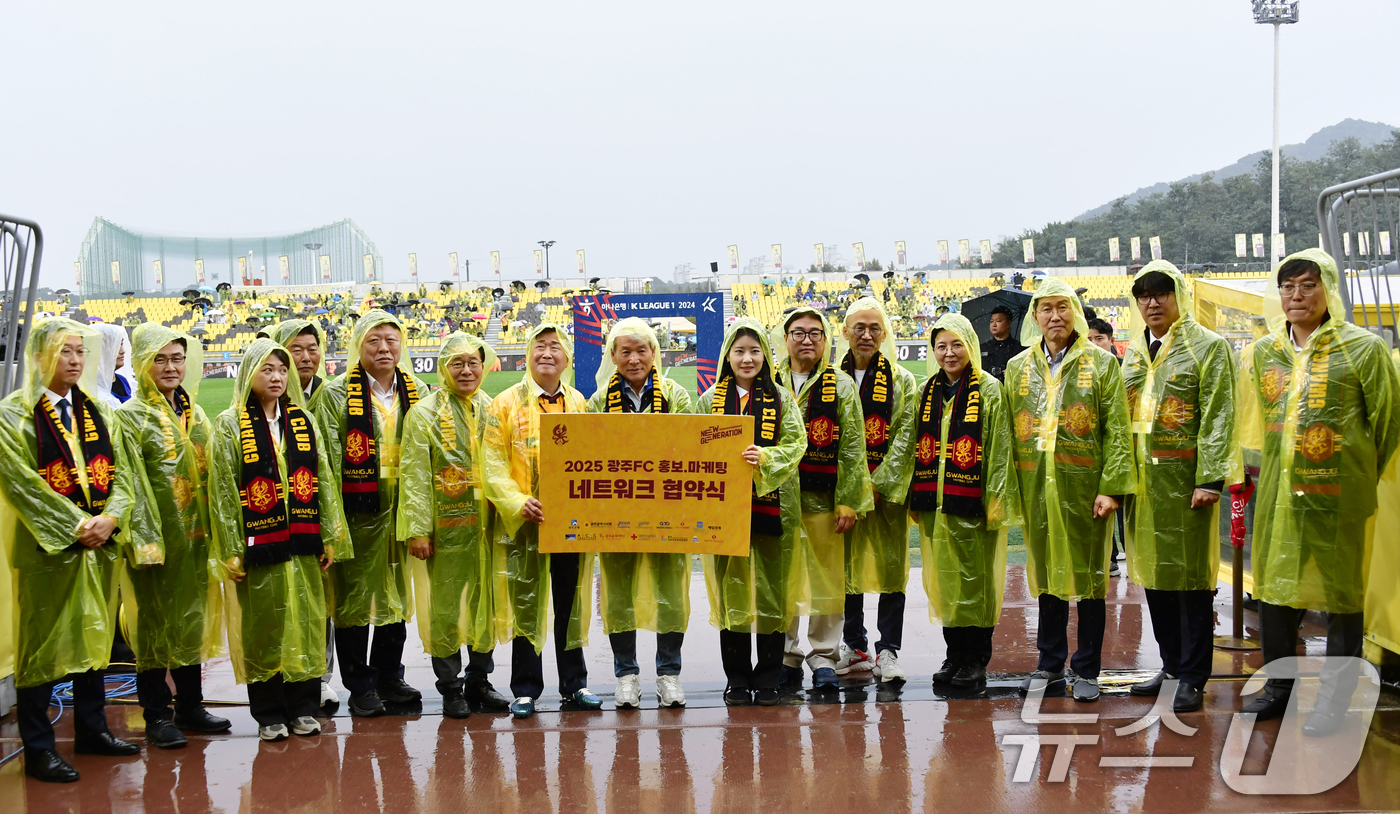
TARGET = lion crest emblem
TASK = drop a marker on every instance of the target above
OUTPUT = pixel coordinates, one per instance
(59, 477)
(926, 450)
(357, 447)
(262, 495)
(100, 469)
(303, 484)
(876, 430)
(965, 452)
(821, 431)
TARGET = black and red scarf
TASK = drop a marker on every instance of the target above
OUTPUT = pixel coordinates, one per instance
(278, 523)
(962, 477)
(360, 459)
(765, 405)
(817, 470)
(877, 405)
(618, 402)
(56, 464)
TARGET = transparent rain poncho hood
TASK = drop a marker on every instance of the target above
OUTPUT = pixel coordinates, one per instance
(114, 341)
(42, 350)
(1052, 287)
(887, 347)
(371, 320)
(147, 341)
(287, 330)
(633, 328)
(959, 325)
(457, 344)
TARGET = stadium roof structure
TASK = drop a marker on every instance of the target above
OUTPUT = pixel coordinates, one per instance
(114, 259)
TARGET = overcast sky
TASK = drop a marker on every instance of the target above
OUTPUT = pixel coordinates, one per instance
(649, 134)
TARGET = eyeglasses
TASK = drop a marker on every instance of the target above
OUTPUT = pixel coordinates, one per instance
(1159, 299)
(872, 330)
(1288, 289)
(807, 336)
(162, 361)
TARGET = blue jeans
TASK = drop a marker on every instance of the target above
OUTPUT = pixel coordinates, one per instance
(668, 653)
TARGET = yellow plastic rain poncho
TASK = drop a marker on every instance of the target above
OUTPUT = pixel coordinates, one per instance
(1327, 422)
(877, 549)
(373, 588)
(1182, 406)
(1072, 444)
(764, 589)
(965, 557)
(64, 593)
(825, 550)
(647, 591)
(287, 330)
(442, 498)
(276, 615)
(512, 477)
(171, 609)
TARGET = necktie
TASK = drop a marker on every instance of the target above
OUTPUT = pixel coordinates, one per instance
(63, 414)
(1153, 348)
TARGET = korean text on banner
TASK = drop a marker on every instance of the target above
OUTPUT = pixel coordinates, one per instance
(665, 483)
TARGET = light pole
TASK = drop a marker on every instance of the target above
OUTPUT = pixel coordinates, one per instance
(546, 244)
(1276, 13)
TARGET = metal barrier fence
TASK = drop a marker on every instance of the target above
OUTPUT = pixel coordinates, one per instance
(1360, 224)
(21, 251)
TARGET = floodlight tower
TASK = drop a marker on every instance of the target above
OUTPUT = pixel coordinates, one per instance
(546, 244)
(1276, 13)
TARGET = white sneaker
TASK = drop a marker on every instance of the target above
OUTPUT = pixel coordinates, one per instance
(306, 725)
(329, 700)
(887, 667)
(629, 693)
(276, 732)
(669, 693)
(853, 661)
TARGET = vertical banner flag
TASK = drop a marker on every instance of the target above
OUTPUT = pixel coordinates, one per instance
(943, 252)
(539, 261)
(77, 272)
(284, 264)
(1135, 246)
(580, 263)
(964, 251)
(496, 263)
(1346, 244)
(860, 255)
(1363, 243)
(413, 265)
(116, 272)
(1278, 246)
(452, 263)
(1028, 250)
(777, 256)
(820, 251)
(1258, 240)
(1241, 244)
(369, 267)
(325, 267)
(1071, 250)
(1115, 253)
(734, 258)
(901, 258)
(243, 269)
(160, 273)
(1385, 243)
(199, 270)
(1155, 244)
(986, 251)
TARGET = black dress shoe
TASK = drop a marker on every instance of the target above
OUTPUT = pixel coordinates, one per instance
(484, 698)
(366, 705)
(1151, 686)
(455, 706)
(199, 720)
(104, 743)
(968, 676)
(1267, 706)
(1324, 721)
(737, 697)
(1188, 698)
(766, 697)
(45, 765)
(946, 672)
(164, 735)
(397, 691)
(790, 678)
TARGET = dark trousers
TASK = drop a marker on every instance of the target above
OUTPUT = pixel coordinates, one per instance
(154, 693)
(889, 620)
(735, 651)
(1052, 635)
(1278, 629)
(277, 702)
(385, 662)
(1183, 623)
(527, 666)
(32, 709)
(668, 653)
(969, 645)
(449, 671)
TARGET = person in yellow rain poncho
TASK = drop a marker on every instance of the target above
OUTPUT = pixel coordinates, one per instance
(1321, 400)
(835, 482)
(305, 341)
(964, 495)
(1073, 454)
(362, 413)
(68, 490)
(277, 525)
(526, 578)
(877, 549)
(1180, 379)
(650, 591)
(447, 523)
(760, 592)
(172, 607)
